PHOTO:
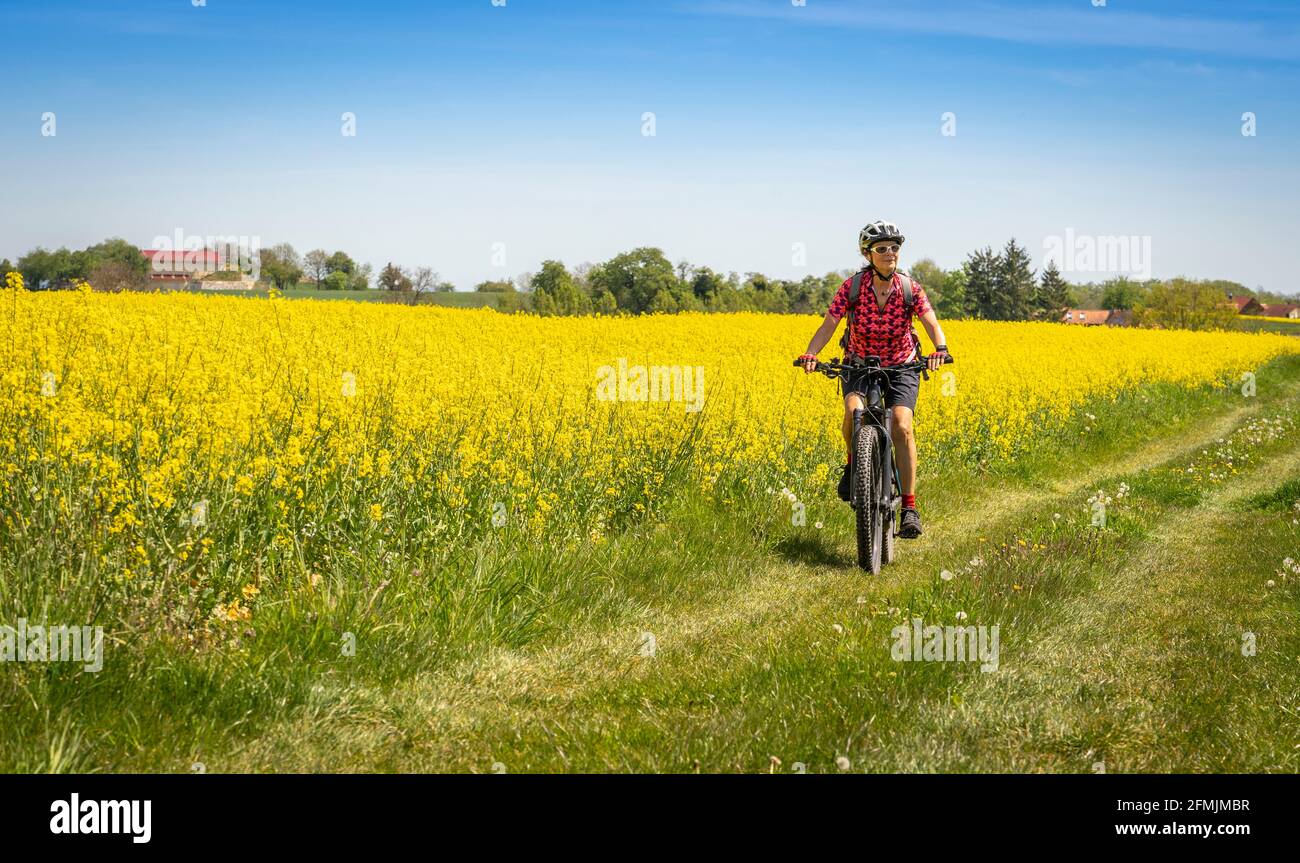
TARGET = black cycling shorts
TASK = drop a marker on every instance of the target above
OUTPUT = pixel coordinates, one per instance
(898, 388)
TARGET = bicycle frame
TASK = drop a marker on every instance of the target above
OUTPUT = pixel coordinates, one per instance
(880, 417)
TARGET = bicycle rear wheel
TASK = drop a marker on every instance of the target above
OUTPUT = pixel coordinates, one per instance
(867, 495)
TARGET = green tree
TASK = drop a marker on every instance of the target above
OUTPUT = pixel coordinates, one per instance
(1086, 296)
(731, 300)
(340, 262)
(52, 269)
(981, 269)
(1184, 304)
(1120, 293)
(931, 277)
(1015, 285)
(604, 304)
(686, 299)
(1274, 297)
(116, 251)
(663, 302)
(1226, 286)
(635, 278)
(929, 274)
(556, 293)
(335, 281)
(952, 299)
(827, 287)
(510, 302)
(281, 266)
(706, 285)
(1053, 295)
(766, 295)
(807, 296)
(497, 287)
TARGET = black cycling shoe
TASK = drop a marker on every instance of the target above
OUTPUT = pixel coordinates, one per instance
(845, 479)
(909, 525)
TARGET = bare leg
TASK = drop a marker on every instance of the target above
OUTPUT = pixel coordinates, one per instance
(904, 447)
(852, 402)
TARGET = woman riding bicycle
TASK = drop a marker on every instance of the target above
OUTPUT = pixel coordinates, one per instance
(881, 326)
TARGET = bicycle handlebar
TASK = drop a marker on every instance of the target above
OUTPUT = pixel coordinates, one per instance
(835, 368)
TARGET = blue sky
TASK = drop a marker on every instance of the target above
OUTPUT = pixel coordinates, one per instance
(775, 124)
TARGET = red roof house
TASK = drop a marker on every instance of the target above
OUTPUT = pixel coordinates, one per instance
(181, 264)
(1281, 310)
(1245, 305)
(1097, 317)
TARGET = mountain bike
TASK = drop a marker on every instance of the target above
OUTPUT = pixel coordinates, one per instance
(876, 494)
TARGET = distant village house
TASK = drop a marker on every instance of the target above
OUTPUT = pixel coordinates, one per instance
(195, 268)
(1246, 305)
(1098, 317)
(180, 265)
(1282, 310)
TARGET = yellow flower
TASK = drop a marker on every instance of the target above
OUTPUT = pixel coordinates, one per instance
(250, 591)
(235, 611)
(264, 415)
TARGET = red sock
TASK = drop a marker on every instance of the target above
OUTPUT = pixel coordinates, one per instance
(909, 501)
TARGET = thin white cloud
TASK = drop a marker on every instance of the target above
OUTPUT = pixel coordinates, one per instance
(1034, 25)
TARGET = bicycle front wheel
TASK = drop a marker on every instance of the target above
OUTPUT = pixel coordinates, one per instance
(866, 493)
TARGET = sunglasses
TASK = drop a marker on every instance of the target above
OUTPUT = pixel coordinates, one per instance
(886, 250)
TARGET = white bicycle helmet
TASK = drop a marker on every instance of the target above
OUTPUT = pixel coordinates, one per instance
(877, 231)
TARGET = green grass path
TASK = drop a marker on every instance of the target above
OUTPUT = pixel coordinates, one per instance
(1120, 646)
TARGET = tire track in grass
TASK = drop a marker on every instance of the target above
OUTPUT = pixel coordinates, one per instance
(1145, 672)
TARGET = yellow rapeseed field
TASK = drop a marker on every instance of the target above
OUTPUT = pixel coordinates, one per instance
(152, 420)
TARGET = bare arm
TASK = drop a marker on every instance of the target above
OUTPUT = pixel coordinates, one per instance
(821, 337)
(932, 329)
(935, 332)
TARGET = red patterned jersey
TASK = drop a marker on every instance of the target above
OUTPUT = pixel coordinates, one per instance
(886, 334)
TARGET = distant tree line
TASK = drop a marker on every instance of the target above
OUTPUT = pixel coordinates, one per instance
(114, 263)
(993, 285)
(989, 285)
